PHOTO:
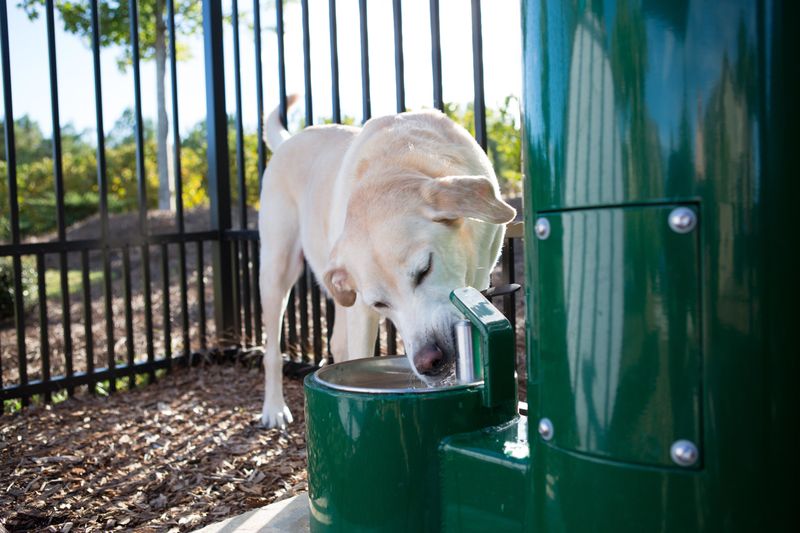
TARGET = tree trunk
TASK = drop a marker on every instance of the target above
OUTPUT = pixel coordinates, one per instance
(166, 196)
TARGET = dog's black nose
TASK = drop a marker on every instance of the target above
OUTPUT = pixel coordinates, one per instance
(429, 360)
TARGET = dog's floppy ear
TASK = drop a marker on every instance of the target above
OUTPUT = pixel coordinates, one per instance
(455, 197)
(340, 285)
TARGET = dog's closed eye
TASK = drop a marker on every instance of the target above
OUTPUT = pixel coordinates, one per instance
(380, 305)
(420, 276)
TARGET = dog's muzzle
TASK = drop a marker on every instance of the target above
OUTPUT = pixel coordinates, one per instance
(430, 360)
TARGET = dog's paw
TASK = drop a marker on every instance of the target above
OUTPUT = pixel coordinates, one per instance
(277, 416)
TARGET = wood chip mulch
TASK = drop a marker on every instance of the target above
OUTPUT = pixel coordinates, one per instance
(184, 452)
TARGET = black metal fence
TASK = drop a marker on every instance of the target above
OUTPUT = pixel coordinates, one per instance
(139, 270)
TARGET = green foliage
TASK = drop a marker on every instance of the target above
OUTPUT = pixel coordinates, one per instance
(194, 166)
(12, 406)
(7, 285)
(114, 18)
(36, 190)
(52, 284)
(504, 142)
(251, 178)
(35, 183)
(102, 388)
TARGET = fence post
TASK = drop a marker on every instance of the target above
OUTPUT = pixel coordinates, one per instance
(219, 189)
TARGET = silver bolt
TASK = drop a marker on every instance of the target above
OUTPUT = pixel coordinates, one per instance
(682, 220)
(542, 228)
(546, 429)
(684, 452)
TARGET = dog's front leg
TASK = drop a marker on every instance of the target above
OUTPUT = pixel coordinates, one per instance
(339, 349)
(362, 330)
(274, 296)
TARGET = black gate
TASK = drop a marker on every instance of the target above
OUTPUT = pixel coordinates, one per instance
(160, 278)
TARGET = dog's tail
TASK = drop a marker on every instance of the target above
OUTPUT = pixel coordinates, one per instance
(275, 132)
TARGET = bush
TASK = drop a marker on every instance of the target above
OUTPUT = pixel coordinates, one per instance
(7, 285)
(39, 214)
(504, 140)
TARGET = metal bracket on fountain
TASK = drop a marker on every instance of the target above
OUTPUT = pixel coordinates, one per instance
(492, 347)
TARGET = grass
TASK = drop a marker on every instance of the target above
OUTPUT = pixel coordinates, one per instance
(52, 284)
(52, 281)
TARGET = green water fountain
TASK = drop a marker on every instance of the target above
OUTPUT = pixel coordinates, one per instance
(659, 292)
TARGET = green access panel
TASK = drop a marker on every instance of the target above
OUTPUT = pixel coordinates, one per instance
(618, 307)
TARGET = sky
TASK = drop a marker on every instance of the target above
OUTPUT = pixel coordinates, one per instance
(501, 58)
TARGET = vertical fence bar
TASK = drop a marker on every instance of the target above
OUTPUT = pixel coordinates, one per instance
(262, 155)
(201, 295)
(58, 177)
(243, 256)
(165, 303)
(218, 170)
(11, 172)
(399, 68)
(86, 286)
(509, 303)
(187, 345)
(126, 288)
(108, 310)
(477, 75)
(247, 294)
(307, 64)
(66, 319)
(233, 245)
(257, 291)
(366, 103)
(102, 185)
(58, 173)
(291, 320)
(242, 283)
(316, 317)
(302, 292)
(176, 134)
(436, 56)
(290, 344)
(176, 145)
(336, 107)
(307, 276)
(281, 60)
(44, 336)
(391, 338)
(142, 186)
(330, 317)
(237, 89)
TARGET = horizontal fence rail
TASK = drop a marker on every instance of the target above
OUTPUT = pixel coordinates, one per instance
(120, 309)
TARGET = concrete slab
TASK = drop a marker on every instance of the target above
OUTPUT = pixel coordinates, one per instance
(286, 516)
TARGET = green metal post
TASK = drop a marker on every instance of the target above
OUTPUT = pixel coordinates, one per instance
(658, 173)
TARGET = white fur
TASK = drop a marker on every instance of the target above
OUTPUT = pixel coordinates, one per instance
(367, 208)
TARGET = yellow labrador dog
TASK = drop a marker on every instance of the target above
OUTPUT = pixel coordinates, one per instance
(391, 217)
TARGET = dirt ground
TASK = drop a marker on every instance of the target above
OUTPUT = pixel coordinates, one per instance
(173, 456)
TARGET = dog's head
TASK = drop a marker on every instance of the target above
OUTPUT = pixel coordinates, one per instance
(406, 246)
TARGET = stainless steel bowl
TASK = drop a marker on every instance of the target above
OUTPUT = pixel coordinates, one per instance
(380, 375)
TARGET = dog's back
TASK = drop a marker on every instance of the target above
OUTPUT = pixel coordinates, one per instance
(299, 181)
